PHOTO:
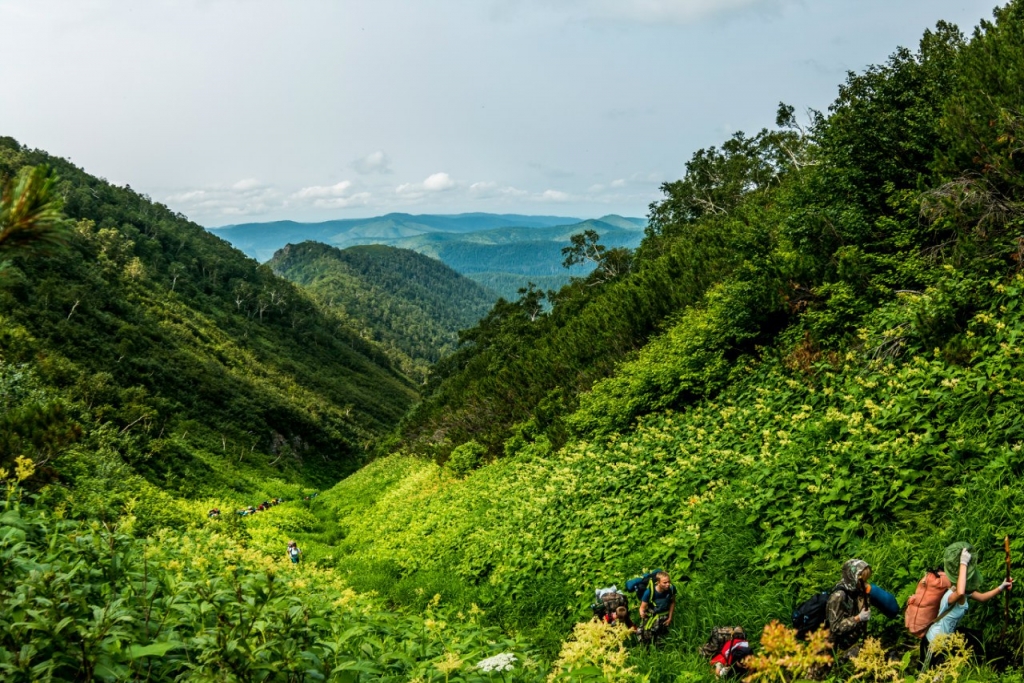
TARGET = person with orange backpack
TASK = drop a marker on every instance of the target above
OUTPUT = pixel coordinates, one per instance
(923, 605)
(953, 605)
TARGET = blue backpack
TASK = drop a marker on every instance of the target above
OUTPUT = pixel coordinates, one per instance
(642, 584)
(884, 601)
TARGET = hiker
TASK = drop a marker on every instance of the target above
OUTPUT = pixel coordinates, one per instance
(953, 605)
(213, 513)
(619, 616)
(293, 552)
(727, 648)
(658, 603)
(849, 608)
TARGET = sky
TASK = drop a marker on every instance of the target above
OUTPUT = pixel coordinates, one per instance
(234, 111)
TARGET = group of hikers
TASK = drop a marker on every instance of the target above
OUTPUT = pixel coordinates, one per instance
(250, 510)
(933, 612)
(214, 513)
(293, 552)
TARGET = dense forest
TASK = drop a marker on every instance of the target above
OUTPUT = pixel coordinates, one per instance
(814, 355)
(411, 305)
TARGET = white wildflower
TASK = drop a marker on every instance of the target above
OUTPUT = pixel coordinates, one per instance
(502, 662)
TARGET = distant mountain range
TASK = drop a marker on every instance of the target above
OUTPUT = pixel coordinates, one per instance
(500, 251)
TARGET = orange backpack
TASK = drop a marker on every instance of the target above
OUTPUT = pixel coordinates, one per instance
(923, 606)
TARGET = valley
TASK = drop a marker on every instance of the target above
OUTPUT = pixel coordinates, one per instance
(809, 351)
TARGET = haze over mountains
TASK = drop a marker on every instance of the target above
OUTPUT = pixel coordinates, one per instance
(500, 251)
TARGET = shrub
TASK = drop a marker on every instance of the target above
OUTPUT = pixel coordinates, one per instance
(784, 657)
(465, 458)
(595, 651)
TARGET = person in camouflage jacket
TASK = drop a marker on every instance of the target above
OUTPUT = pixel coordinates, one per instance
(848, 609)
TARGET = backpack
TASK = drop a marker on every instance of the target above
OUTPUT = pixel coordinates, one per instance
(809, 615)
(884, 601)
(720, 635)
(639, 585)
(923, 606)
(607, 600)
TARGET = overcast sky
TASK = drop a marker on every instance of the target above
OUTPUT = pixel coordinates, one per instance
(249, 110)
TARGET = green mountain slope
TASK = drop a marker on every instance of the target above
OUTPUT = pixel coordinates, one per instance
(155, 344)
(411, 305)
(507, 285)
(816, 356)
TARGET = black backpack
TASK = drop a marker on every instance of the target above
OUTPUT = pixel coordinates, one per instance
(808, 616)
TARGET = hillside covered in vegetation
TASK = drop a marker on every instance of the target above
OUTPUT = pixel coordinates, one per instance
(413, 306)
(148, 347)
(815, 354)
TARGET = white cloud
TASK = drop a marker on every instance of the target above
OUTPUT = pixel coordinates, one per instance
(322, 191)
(437, 182)
(554, 196)
(621, 182)
(246, 197)
(487, 190)
(247, 184)
(358, 199)
(639, 11)
(250, 197)
(374, 162)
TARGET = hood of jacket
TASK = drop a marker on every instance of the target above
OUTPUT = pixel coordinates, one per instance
(851, 572)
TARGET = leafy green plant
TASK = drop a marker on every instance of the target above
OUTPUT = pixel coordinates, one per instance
(465, 458)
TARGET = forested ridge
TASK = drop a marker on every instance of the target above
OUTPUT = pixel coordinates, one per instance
(814, 355)
(410, 304)
(501, 252)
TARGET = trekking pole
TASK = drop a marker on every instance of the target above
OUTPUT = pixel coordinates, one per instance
(1006, 594)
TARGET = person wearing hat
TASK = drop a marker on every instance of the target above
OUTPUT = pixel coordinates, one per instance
(960, 561)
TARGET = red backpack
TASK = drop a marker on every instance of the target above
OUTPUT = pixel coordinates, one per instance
(923, 606)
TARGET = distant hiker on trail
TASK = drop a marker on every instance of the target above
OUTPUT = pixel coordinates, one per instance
(293, 552)
(658, 605)
(959, 560)
(849, 608)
